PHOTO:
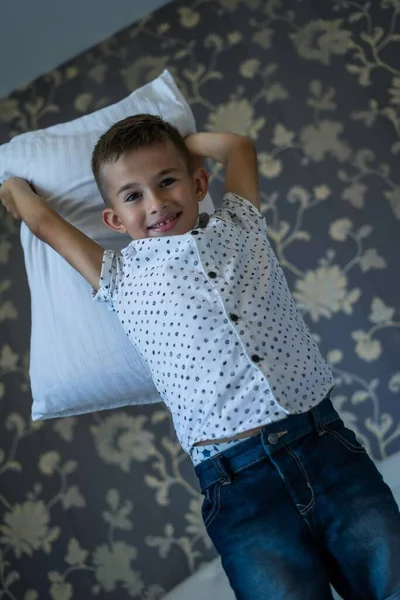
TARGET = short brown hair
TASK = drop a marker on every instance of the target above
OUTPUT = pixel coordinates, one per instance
(134, 132)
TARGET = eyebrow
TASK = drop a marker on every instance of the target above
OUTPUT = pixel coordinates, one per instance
(133, 184)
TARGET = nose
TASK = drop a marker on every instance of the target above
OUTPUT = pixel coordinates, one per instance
(157, 202)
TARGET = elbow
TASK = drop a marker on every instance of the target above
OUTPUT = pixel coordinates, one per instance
(247, 143)
(244, 147)
(244, 144)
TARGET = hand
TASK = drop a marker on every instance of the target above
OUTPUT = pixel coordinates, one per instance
(239, 156)
(7, 194)
(197, 160)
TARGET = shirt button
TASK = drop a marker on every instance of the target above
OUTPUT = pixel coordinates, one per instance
(272, 438)
(195, 232)
(255, 358)
(233, 317)
(212, 274)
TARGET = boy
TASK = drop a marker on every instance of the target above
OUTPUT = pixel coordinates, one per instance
(292, 501)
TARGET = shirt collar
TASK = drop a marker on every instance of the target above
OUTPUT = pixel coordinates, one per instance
(202, 220)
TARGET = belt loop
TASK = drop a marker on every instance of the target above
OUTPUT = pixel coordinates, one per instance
(317, 423)
(225, 477)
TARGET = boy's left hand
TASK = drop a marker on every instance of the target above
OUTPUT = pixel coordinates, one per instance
(198, 161)
(239, 156)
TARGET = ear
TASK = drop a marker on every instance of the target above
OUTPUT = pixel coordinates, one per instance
(200, 178)
(112, 220)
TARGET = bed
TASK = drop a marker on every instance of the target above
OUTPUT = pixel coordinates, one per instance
(106, 505)
(210, 581)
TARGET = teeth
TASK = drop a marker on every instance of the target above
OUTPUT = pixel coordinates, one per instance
(163, 222)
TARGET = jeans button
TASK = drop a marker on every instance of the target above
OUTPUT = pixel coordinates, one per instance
(272, 438)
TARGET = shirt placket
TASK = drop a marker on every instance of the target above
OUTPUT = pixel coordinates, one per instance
(243, 334)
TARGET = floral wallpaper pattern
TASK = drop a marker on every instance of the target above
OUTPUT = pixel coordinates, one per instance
(106, 505)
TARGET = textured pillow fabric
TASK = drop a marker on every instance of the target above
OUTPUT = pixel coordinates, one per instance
(81, 360)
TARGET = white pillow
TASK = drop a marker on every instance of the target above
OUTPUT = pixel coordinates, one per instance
(81, 360)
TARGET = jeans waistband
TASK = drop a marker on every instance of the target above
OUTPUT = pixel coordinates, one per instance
(271, 438)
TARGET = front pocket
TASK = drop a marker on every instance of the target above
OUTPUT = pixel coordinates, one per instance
(345, 436)
(211, 504)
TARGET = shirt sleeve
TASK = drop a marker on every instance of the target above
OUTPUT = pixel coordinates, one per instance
(111, 276)
(244, 213)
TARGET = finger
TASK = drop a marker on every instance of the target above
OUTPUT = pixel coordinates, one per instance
(7, 204)
(14, 212)
(12, 209)
(5, 196)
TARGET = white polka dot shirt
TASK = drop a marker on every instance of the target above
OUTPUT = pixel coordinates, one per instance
(211, 313)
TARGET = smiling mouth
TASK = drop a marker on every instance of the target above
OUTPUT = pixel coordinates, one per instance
(166, 224)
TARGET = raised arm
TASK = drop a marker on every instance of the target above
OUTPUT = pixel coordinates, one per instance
(75, 247)
(239, 156)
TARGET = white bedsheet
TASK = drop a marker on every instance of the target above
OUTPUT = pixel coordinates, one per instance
(210, 581)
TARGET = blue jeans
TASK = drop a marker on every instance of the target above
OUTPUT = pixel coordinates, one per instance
(300, 505)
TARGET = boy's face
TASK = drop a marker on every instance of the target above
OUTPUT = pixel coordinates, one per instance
(152, 192)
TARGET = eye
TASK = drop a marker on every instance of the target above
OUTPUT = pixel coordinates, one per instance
(132, 197)
(168, 181)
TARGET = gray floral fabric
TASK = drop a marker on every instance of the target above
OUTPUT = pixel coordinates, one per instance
(107, 505)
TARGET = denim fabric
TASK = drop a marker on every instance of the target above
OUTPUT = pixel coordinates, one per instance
(300, 505)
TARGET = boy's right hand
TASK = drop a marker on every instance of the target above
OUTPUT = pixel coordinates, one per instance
(82, 253)
(7, 194)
